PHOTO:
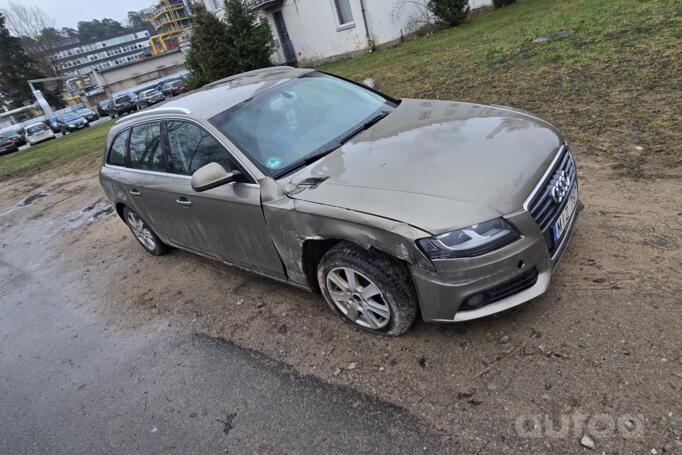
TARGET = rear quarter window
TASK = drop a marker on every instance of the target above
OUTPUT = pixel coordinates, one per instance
(117, 152)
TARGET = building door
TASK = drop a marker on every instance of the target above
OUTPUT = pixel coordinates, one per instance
(287, 45)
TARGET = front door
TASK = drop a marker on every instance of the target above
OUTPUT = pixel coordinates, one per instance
(287, 45)
(226, 222)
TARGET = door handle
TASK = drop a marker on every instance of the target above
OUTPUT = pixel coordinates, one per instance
(183, 201)
(134, 192)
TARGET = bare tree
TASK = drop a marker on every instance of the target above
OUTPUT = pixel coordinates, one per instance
(420, 19)
(38, 35)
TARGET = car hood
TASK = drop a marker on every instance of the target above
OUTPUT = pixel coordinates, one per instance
(436, 165)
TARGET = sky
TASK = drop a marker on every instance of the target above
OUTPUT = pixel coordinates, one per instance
(67, 13)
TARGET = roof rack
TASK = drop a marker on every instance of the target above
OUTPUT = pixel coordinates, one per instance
(157, 110)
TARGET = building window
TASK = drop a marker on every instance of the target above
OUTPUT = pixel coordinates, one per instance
(344, 15)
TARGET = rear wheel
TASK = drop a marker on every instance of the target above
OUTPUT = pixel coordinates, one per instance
(144, 234)
(369, 290)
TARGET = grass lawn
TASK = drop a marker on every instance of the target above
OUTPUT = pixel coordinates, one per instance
(613, 87)
(82, 147)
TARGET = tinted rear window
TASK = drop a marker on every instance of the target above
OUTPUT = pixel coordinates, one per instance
(35, 129)
(117, 152)
(70, 117)
(122, 99)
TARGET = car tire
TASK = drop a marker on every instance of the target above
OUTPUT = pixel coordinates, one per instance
(389, 308)
(144, 234)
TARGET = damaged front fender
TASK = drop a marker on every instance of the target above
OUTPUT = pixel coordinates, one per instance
(292, 222)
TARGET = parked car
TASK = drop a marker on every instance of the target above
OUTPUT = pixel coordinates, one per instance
(174, 88)
(88, 114)
(390, 208)
(17, 136)
(68, 123)
(103, 108)
(122, 104)
(38, 132)
(148, 98)
(53, 124)
(7, 145)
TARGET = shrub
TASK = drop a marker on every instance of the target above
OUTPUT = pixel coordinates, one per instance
(449, 12)
(501, 3)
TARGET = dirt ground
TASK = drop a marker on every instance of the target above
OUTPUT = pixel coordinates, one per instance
(605, 339)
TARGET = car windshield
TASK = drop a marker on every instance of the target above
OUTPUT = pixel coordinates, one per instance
(122, 99)
(70, 117)
(300, 120)
(84, 111)
(150, 93)
(36, 128)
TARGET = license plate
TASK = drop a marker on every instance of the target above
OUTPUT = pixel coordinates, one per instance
(565, 217)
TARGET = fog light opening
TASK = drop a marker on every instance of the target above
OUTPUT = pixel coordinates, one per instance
(474, 302)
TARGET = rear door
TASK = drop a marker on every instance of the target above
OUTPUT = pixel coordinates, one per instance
(146, 177)
(226, 222)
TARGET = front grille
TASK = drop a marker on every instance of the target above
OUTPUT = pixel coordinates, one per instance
(543, 207)
(501, 291)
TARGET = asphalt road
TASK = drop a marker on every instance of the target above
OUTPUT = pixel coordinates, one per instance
(70, 384)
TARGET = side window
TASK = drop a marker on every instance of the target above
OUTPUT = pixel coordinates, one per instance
(117, 152)
(146, 151)
(343, 12)
(191, 147)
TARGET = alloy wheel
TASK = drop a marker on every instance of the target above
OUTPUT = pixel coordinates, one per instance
(141, 231)
(358, 298)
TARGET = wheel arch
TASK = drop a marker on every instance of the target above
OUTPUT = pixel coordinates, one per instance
(120, 206)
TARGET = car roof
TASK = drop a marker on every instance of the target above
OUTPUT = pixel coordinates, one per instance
(221, 95)
(35, 124)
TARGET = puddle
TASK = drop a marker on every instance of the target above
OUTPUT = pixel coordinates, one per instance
(25, 202)
(553, 36)
(87, 215)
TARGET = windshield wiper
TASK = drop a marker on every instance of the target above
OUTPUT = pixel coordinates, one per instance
(334, 145)
(307, 160)
(365, 126)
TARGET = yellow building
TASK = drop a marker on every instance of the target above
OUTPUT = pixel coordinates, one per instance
(170, 18)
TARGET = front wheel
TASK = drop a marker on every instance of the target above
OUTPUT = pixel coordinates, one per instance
(369, 290)
(144, 234)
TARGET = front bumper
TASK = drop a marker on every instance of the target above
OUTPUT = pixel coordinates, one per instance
(442, 292)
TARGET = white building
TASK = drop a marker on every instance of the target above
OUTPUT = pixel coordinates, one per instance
(310, 31)
(75, 58)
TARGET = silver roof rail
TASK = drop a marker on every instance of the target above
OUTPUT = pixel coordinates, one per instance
(157, 110)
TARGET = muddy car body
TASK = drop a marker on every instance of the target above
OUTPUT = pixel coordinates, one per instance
(450, 210)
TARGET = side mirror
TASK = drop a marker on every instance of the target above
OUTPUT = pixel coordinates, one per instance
(371, 83)
(213, 175)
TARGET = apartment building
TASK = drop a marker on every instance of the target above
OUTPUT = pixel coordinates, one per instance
(77, 58)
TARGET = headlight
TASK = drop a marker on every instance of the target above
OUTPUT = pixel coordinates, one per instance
(71, 125)
(471, 241)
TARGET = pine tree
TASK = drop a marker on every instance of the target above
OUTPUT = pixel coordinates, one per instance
(449, 12)
(241, 42)
(210, 56)
(16, 67)
(250, 38)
